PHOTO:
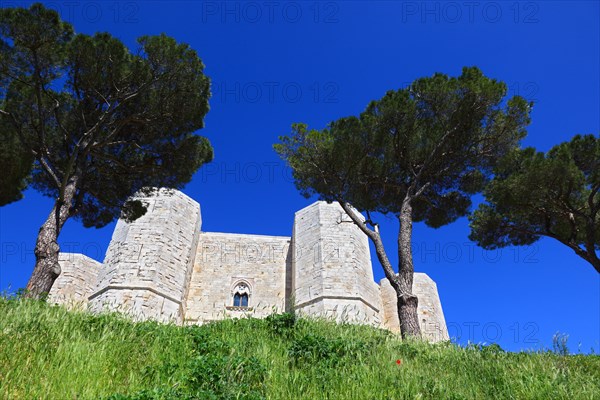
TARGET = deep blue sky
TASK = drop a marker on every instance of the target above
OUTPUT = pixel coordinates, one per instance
(275, 63)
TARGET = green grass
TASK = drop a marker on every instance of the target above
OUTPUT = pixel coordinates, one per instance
(48, 352)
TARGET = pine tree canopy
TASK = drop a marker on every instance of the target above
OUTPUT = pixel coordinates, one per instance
(434, 141)
(553, 194)
(84, 109)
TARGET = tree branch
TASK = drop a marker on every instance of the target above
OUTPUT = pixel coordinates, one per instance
(376, 239)
(573, 246)
(50, 172)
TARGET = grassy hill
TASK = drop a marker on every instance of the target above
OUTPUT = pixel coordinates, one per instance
(48, 352)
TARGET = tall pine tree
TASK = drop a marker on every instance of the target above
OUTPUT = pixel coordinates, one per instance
(88, 123)
(418, 154)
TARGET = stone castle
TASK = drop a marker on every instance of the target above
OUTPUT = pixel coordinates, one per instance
(163, 267)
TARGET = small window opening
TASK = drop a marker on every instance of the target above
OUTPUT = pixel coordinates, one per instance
(241, 295)
(240, 300)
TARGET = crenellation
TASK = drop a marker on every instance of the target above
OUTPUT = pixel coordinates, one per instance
(163, 267)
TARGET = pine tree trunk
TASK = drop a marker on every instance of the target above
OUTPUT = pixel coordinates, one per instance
(401, 282)
(407, 301)
(47, 268)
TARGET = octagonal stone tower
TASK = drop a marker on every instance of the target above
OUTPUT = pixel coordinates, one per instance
(147, 268)
(332, 274)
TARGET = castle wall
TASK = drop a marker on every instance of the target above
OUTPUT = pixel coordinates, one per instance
(76, 281)
(389, 310)
(162, 267)
(332, 273)
(429, 310)
(148, 264)
(223, 260)
(431, 316)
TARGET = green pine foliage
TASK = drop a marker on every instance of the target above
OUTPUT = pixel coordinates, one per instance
(554, 194)
(87, 109)
(48, 352)
(89, 122)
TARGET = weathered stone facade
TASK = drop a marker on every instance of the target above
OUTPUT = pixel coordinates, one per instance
(163, 267)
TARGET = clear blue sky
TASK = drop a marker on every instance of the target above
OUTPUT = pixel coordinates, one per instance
(275, 63)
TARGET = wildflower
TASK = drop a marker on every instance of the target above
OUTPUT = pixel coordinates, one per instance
(398, 362)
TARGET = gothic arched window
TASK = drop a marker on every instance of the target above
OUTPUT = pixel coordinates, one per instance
(241, 295)
(240, 300)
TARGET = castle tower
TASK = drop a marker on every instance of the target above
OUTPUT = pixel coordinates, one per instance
(429, 310)
(148, 263)
(332, 272)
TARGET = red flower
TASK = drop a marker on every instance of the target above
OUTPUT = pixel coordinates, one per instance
(398, 362)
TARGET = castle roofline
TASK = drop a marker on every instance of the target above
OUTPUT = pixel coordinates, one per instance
(314, 204)
(245, 235)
